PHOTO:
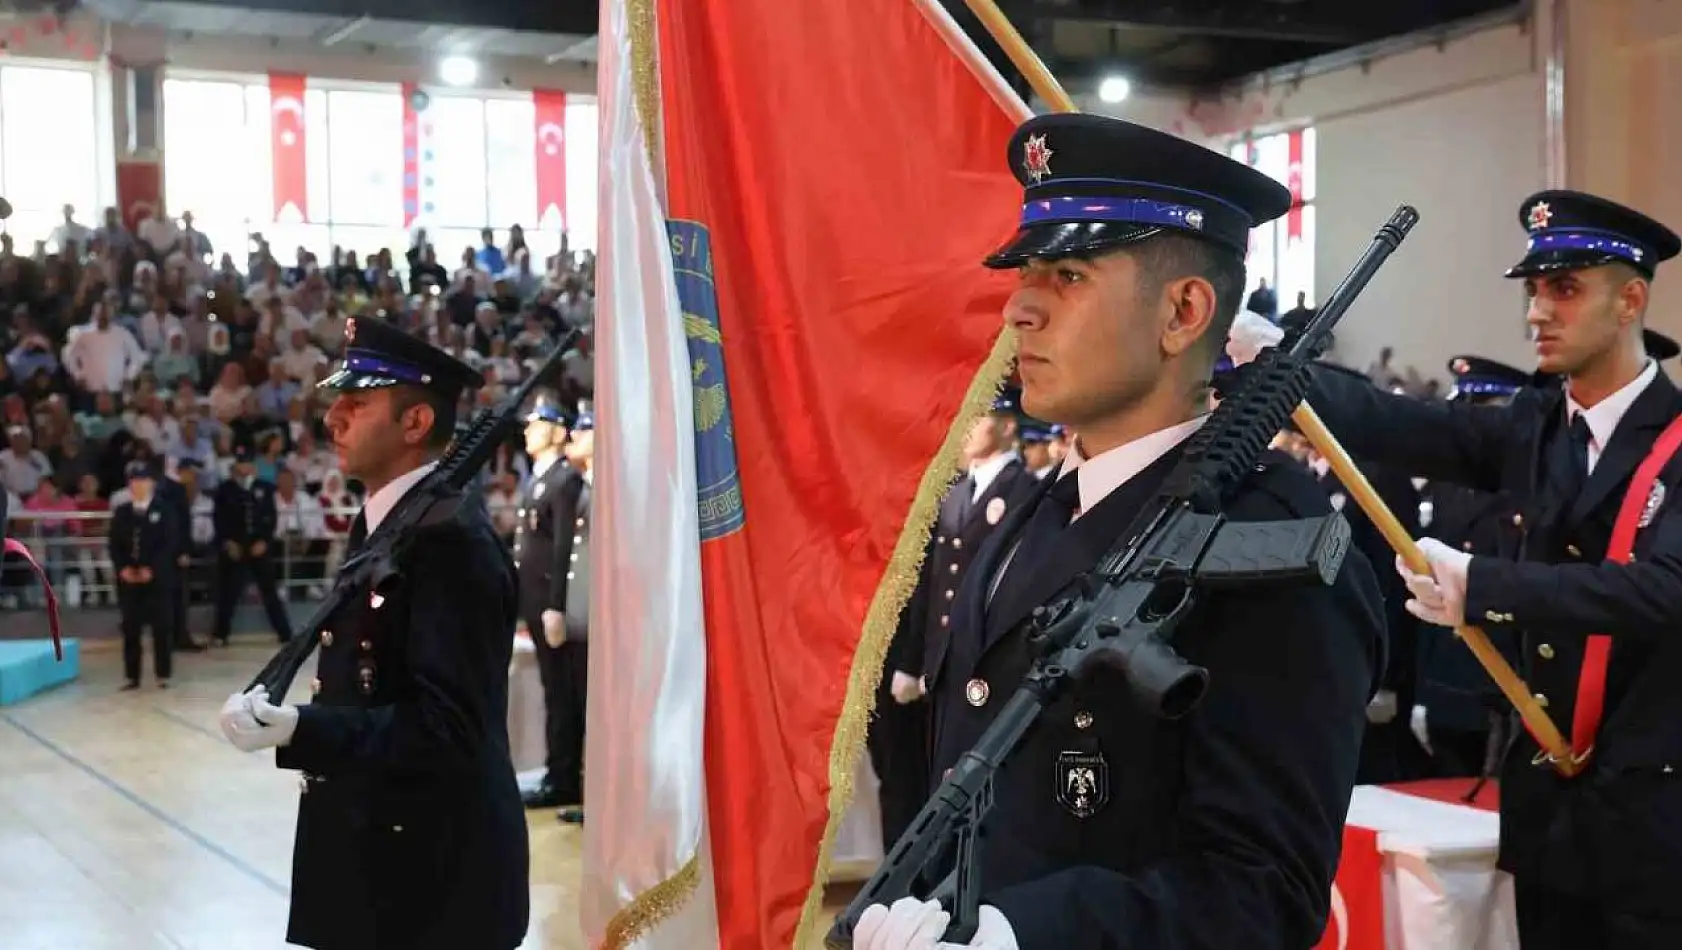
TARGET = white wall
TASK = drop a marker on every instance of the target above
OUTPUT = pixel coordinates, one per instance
(1458, 133)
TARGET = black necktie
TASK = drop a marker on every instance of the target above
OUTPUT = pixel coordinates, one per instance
(1050, 517)
(1571, 459)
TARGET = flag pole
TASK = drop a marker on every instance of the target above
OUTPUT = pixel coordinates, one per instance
(1558, 752)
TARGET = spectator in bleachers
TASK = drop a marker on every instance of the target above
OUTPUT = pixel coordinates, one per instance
(103, 357)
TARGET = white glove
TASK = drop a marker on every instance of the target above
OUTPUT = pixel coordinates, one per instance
(251, 723)
(910, 924)
(1416, 722)
(992, 932)
(1250, 334)
(1382, 707)
(554, 627)
(906, 688)
(1438, 597)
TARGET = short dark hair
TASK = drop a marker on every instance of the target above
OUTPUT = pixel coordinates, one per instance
(403, 398)
(1172, 256)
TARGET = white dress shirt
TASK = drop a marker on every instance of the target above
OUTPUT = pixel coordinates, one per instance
(1107, 471)
(983, 474)
(380, 503)
(1603, 417)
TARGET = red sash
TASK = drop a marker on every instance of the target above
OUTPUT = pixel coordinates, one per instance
(1591, 681)
(14, 546)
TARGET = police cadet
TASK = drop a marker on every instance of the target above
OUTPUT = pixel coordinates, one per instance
(542, 545)
(581, 456)
(410, 832)
(1112, 827)
(246, 518)
(1034, 439)
(1596, 858)
(996, 484)
(1458, 716)
(144, 542)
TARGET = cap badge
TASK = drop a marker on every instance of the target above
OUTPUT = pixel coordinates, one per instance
(1540, 215)
(1194, 219)
(1036, 158)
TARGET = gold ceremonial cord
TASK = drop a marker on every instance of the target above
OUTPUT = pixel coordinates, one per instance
(1554, 746)
(646, 910)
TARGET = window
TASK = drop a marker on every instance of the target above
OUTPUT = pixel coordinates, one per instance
(48, 150)
(1282, 251)
(483, 170)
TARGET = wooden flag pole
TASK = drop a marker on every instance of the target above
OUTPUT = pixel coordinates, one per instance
(1548, 736)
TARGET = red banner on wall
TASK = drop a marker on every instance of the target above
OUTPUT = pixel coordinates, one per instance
(286, 142)
(1357, 918)
(411, 154)
(1293, 180)
(139, 185)
(549, 123)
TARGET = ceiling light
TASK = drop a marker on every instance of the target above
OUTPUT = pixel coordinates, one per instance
(1114, 89)
(458, 70)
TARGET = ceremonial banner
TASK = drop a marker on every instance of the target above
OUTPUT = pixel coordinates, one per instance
(549, 119)
(802, 195)
(286, 145)
(1357, 918)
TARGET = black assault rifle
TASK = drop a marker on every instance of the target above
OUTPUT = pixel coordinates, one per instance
(1124, 613)
(373, 567)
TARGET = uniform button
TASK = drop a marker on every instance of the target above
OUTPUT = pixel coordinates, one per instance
(948, 595)
(366, 644)
(579, 523)
(942, 539)
(1494, 616)
(946, 775)
(1542, 700)
(1465, 545)
(574, 557)
(1573, 550)
(326, 638)
(952, 568)
(945, 619)
(1518, 520)
(397, 828)
(975, 692)
(1546, 651)
(315, 686)
(957, 544)
(1083, 720)
(569, 575)
(578, 539)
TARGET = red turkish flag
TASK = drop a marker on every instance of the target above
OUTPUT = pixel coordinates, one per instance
(549, 123)
(286, 142)
(1357, 918)
(1293, 180)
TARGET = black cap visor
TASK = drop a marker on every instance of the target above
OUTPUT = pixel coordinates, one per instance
(349, 379)
(1052, 241)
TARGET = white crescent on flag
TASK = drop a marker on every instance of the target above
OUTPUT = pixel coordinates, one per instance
(289, 104)
(552, 137)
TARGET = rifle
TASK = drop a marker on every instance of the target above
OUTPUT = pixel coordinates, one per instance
(372, 568)
(1124, 612)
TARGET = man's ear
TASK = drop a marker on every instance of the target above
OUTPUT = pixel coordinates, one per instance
(1193, 302)
(418, 420)
(1632, 299)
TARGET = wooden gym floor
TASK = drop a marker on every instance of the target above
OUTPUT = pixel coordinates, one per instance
(128, 823)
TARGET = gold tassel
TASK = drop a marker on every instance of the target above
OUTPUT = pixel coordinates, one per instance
(652, 906)
(880, 622)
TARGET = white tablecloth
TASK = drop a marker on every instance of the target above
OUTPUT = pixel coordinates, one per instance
(1442, 890)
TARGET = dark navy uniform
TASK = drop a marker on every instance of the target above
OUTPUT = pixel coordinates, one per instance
(245, 520)
(1596, 858)
(410, 831)
(550, 519)
(1112, 827)
(144, 542)
(898, 739)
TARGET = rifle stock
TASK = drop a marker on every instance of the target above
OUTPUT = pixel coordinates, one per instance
(372, 568)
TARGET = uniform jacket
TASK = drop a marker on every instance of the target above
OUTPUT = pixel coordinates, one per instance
(550, 523)
(174, 496)
(960, 530)
(1114, 828)
(411, 834)
(245, 515)
(1617, 826)
(145, 539)
(1396, 489)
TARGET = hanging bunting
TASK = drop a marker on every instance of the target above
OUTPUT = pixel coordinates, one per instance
(549, 125)
(286, 144)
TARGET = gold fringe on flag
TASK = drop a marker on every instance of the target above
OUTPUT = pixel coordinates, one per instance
(898, 582)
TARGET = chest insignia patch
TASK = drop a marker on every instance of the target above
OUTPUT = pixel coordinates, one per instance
(1650, 510)
(995, 511)
(1083, 782)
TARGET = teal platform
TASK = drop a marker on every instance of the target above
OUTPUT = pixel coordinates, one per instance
(28, 667)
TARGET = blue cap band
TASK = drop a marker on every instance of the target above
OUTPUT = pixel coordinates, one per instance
(548, 414)
(1485, 387)
(1590, 239)
(1078, 208)
(361, 361)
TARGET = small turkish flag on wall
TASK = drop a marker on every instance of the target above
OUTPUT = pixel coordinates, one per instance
(291, 176)
(549, 120)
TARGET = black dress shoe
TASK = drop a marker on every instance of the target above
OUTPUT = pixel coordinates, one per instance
(549, 796)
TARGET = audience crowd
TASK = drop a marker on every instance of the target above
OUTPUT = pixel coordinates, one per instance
(155, 344)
